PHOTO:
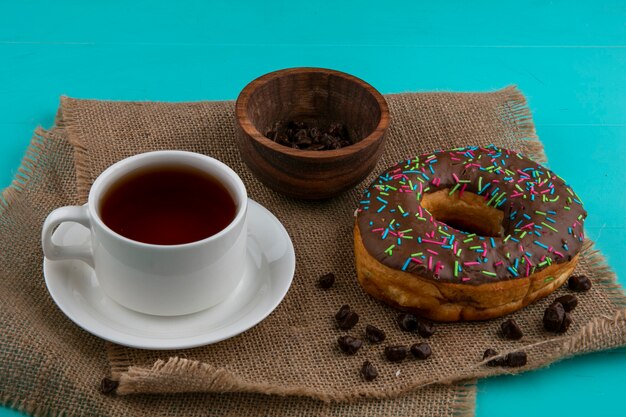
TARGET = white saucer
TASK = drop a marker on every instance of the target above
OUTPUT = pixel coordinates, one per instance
(269, 271)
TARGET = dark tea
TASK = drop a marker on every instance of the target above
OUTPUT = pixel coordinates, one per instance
(167, 205)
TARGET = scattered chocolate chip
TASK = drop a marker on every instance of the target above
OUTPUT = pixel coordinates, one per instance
(515, 359)
(349, 320)
(553, 317)
(326, 281)
(510, 330)
(395, 353)
(579, 283)
(567, 320)
(425, 327)
(374, 334)
(489, 353)
(349, 344)
(343, 311)
(108, 385)
(569, 302)
(421, 350)
(368, 371)
(407, 322)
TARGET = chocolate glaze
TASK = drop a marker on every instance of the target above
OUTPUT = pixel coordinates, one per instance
(543, 217)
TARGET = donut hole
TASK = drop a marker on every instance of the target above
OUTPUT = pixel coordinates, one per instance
(467, 213)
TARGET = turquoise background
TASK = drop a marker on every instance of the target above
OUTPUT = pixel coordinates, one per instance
(569, 58)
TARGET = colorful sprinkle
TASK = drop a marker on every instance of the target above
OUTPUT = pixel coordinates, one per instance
(528, 194)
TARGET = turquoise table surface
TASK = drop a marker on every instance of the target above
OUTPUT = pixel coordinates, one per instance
(569, 58)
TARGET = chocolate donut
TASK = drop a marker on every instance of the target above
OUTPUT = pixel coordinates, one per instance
(467, 234)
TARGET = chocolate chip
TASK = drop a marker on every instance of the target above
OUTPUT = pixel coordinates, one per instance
(515, 359)
(337, 129)
(395, 353)
(343, 311)
(567, 320)
(108, 386)
(407, 322)
(314, 132)
(374, 334)
(302, 138)
(368, 371)
(421, 350)
(309, 136)
(282, 138)
(510, 330)
(553, 317)
(569, 302)
(349, 344)
(579, 283)
(425, 327)
(489, 353)
(296, 124)
(326, 281)
(349, 321)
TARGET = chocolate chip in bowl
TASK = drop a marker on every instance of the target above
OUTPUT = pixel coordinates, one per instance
(311, 136)
(310, 133)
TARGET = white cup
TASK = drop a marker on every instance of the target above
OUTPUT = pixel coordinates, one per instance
(165, 280)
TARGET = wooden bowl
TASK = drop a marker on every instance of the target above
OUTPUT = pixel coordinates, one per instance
(306, 94)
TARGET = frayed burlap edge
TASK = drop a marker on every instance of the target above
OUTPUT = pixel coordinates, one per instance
(166, 375)
(65, 121)
(27, 166)
(465, 399)
(26, 169)
(31, 407)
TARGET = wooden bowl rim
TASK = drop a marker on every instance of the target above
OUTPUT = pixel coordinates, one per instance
(248, 127)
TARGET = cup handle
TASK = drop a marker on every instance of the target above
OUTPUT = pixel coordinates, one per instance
(52, 251)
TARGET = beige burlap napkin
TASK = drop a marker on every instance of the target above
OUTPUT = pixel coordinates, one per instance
(48, 365)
